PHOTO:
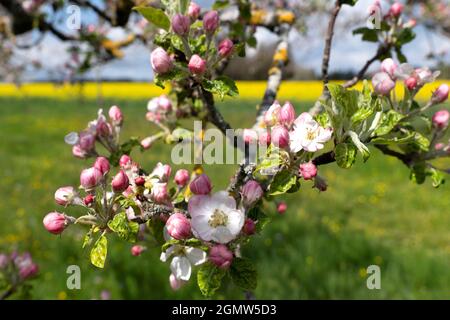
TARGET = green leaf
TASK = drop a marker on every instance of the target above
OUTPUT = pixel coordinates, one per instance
(421, 142)
(418, 173)
(243, 273)
(125, 229)
(400, 137)
(349, 2)
(209, 278)
(345, 154)
(282, 183)
(184, 5)
(359, 145)
(437, 178)
(405, 36)
(156, 227)
(346, 101)
(366, 105)
(370, 35)
(389, 120)
(400, 56)
(220, 4)
(222, 86)
(99, 252)
(155, 16)
(269, 165)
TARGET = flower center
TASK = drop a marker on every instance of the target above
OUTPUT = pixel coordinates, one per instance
(311, 135)
(218, 218)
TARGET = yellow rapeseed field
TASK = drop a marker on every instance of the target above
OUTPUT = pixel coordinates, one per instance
(289, 90)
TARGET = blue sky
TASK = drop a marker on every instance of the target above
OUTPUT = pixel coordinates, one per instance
(348, 52)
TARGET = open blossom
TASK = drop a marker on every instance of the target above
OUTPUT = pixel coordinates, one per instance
(308, 135)
(422, 75)
(159, 192)
(272, 114)
(183, 258)
(221, 256)
(178, 226)
(215, 217)
(382, 83)
(65, 195)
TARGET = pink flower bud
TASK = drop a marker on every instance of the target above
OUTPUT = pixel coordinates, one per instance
(160, 60)
(159, 192)
(115, 114)
(249, 227)
(103, 129)
(78, 152)
(175, 283)
(264, 138)
(65, 195)
(178, 226)
(125, 161)
(272, 115)
(181, 24)
(308, 170)
(251, 193)
(90, 178)
(382, 83)
(201, 185)
(139, 181)
(137, 250)
(221, 256)
(287, 114)
(88, 200)
(120, 182)
(197, 65)
(194, 11)
(389, 66)
(102, 164)
(441, 93)
(411, 83)
(226, 47)
(280, 136)
(441, 119)
(439, 146)
(86, 141)
(211, 21)
(146, 143)
(55, 222)
(396, 9)
(181, 177)
(281, 207)
(249, 136)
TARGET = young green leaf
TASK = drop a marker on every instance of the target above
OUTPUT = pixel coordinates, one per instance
(155, 16)
(244, 274)
(209, 279)
(345, 154)
(99, 252)
(125, 229)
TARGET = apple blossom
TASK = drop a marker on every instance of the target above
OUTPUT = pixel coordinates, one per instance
(272, 114)
(125, 161)
(65, 195)
(389, 66)
(181, 177)
(264, 138)
(225, 48)
(160, 60)
(396, 9)
(211, 21)
(194, 10)
(120, 182)
(441, 93)
(411, 83)
(90, 178)
(197, 65)
(201, 185)
(280, 136)
(55, 222)
(88, 200)
(115, 114)
(308, 135)
(162, 172)
(178, 226)
(308, 170)
(441, 119)
(86, 140)
(183, 257)
(287, 114)
(382, 83)
(102, 164)
(139, 181)
(250, 136)
(27, 268)
(221, 256)
(146, 143)
(215, 217)
(180, 24)
(78, 152)
(159, 192)
(251, 193)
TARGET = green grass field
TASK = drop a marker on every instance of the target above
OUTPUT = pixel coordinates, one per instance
(371, 214)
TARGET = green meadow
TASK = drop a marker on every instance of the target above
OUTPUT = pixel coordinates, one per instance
(319, 249)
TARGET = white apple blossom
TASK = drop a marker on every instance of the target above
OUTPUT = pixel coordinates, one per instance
(308, 135)
(182, 260)
(215, 217)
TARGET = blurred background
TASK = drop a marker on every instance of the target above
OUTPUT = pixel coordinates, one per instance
(319, 249)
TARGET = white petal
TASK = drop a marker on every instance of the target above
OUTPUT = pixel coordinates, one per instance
(71, 138)
(223, 198)
(181, 267)
(195, 256)
(222, 235)
(302, 118)
(199, 205)
(201, 227)
(235, 221)
(166, 254)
